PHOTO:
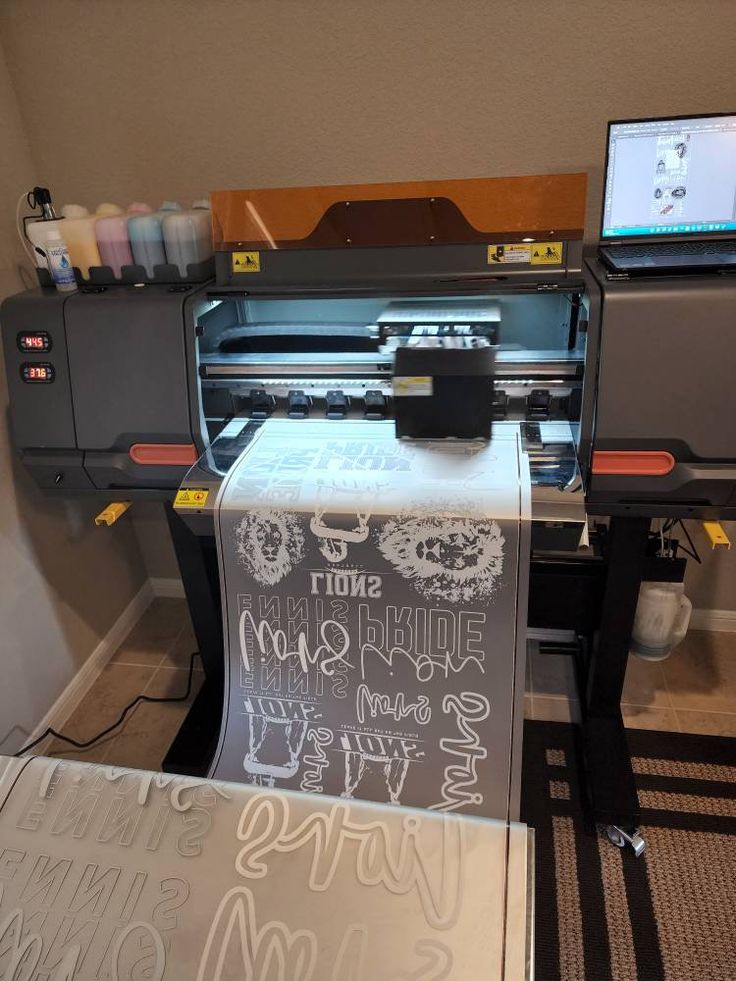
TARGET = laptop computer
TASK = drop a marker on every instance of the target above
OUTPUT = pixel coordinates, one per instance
(669, 201)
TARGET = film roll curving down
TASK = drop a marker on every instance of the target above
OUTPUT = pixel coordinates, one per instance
(374, 596)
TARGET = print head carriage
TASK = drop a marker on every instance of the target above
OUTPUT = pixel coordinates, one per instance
(444, 556)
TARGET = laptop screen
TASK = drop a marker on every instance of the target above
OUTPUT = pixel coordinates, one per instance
(670, 177)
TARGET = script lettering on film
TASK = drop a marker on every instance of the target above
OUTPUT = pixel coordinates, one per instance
(374, 704)
(405, 866)
(461, 777)
(275, 951)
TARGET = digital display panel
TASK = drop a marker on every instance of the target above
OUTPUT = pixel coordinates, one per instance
(37, 340)
(37, 372)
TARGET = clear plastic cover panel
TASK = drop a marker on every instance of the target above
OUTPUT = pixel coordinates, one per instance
(513, 323)
(334, 356)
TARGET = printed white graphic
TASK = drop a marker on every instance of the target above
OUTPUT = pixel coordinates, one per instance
(345, 583)
(461, 777)
(269, 543)
(350, 960)
(456, 559)
(432, 641)
(177, 786)
(21, 952)
(392, 753)
(277, 953)
(329, 653)
(437, 962)
(292, 733)
(434, 871)
(394, 772)
(333, 542)
(142, 955)
(374, 704)
(273, 951)
(405, 593)
(316, 761)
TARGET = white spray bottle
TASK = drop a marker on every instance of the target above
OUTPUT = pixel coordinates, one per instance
(60, 265)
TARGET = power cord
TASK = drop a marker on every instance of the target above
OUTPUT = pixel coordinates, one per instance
(123, 715)
(668, 546)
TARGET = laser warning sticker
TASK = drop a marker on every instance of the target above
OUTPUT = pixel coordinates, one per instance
(509, 252)
(191, 497)
(547, 254)
(249, 262)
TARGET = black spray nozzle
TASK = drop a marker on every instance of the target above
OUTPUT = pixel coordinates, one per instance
(40, 197)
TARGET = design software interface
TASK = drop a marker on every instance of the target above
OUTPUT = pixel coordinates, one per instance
(671, 176)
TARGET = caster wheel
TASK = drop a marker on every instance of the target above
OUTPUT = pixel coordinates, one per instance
(618, 837)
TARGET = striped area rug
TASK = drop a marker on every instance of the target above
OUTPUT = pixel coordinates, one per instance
(603, 915)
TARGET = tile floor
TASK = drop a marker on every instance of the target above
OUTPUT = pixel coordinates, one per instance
(693, 691)
(152, 660)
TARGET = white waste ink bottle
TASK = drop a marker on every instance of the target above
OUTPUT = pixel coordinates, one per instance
(60, 265)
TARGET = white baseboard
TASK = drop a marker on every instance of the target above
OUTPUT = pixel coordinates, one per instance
(66, 704)
(168, 588)
(724, 620)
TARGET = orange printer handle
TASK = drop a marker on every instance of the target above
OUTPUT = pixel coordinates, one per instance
(629, 463)
(164, 454)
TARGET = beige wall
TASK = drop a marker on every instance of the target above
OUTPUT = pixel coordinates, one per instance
(712, 585)
(154, 540)
(63, 582)
(151, 100)
(169, 98)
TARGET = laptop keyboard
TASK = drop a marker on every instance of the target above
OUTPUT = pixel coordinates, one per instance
(675, 248)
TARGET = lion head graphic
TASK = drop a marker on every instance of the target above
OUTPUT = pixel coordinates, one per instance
(269, 544)
(445, 556)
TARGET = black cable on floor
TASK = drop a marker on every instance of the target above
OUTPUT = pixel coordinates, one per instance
(123, 715)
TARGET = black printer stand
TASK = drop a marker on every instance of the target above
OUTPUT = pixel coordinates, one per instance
(601, 674)
(594, 600)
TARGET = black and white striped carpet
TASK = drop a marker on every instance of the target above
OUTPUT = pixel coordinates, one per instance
(601, 913)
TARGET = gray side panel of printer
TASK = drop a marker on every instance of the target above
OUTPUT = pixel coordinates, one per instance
(128, 369)
(665, 382)
(667, 364)
(41, 415)
(130, 381)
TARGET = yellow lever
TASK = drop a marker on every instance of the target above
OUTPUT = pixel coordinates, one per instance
(716, 534)
(111, 513)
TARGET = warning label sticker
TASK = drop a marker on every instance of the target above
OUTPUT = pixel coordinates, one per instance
(191, 497)
(547, 254)
(510, 252)
(246, 262)
(411, 385)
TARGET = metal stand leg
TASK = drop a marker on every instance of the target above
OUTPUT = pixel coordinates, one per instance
(199, 573)
(194, 745)
(607, 762)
